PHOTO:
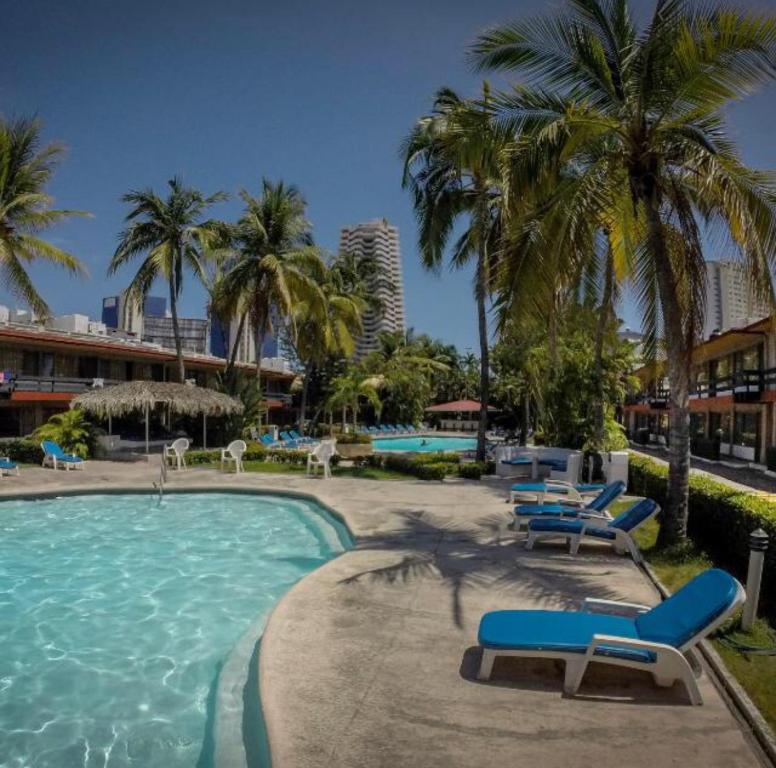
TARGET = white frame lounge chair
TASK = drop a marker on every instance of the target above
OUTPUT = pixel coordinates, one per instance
(320, 456)
(559, 491)
(617, 532)
(659, 640)
(234, 452)
(54, 455)
(595, 509)
(176, 452)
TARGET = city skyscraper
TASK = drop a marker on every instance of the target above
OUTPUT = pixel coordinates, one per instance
(730, 302)
(378, 240)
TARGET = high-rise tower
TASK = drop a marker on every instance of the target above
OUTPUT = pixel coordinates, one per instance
(378, 240)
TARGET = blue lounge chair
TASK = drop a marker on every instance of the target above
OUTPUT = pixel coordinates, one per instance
(302, 439)
(385, 429)
(572, 493)
(656, 640)
(267, 441)
(286, 441)
(617, 532)
(6, 465)
(594, 509)
(373, 430)
(54, 455)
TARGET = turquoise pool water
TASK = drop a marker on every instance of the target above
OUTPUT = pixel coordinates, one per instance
(424, 444)
(118, 613)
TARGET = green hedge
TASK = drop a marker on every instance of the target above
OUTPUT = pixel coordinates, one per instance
(720, 520)
(440, 457)
(24, 451)
(409, 465)
(353, 439)
(254, 453)
(473, 471)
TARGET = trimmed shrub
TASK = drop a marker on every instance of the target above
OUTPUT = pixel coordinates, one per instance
(442, 457)
(473, 471)
(24, 451)
(409, 465)
(720, 520)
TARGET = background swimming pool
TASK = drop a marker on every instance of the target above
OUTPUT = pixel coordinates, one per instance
(424, 444)
(116, 616)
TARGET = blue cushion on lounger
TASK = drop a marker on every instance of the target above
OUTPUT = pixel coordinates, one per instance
(689, 610)
(570, 526)
(563, 631)
(518, 461)
(532, 488)
(551, 510)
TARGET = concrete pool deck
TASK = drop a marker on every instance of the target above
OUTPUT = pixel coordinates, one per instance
(371, 660)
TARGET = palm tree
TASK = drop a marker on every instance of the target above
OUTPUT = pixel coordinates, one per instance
(349, 389)
(275, 263)
(171, 235)
(451, 165)
(25, 170)
(327, 328)
(639, 117)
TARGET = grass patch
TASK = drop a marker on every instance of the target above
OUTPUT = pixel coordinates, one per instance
(755, 673)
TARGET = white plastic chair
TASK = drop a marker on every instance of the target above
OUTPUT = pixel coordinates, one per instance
(320, 456)
(234, 452)
(176, 452)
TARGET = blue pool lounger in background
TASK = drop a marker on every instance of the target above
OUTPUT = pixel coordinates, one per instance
(657, 640)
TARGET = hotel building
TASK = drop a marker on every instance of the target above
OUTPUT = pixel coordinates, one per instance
(378, 240)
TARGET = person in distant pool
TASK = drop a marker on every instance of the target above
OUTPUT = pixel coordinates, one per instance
(424, 441)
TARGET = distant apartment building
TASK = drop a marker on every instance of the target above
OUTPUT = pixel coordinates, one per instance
(378, 240)
(730, 302)
(153, 324)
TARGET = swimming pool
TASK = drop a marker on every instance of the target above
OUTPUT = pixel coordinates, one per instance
(424, 444)
(119, 616)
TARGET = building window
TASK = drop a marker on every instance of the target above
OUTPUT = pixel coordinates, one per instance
(87, 367)
(30, 363)
(47, 364)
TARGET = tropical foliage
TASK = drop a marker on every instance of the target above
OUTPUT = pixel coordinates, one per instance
(71, 431)
(26, 168)
(620, 131)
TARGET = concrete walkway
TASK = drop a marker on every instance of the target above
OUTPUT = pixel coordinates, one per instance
(370, 661)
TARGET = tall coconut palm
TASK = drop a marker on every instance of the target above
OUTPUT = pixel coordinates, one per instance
(451, 166)
(639, 115)
(169, 234)
(25, 210)
(275, 262)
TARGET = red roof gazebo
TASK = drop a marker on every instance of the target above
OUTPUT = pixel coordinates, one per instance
(458, 406)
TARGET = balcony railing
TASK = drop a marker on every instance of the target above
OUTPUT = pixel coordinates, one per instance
(67, 384)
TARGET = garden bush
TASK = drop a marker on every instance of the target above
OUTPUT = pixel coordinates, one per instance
(409, 465)
(25, 451)
(473, 471)
(440, 457)
(720, 520)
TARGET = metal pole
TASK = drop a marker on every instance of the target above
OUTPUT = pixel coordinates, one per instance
(146, 420)
(758, 544)
(110, 424)
(204, 430)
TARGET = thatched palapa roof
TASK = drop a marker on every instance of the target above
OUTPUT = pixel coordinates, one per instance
(185, 399)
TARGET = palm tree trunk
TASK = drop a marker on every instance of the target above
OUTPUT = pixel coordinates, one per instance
(259, 334)
(236, 343)
(673, 523)
(303, 400)
(604, 314)
(175, 328)
(482, 321)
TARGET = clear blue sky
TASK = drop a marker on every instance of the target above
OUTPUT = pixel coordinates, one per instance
(223, 93)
